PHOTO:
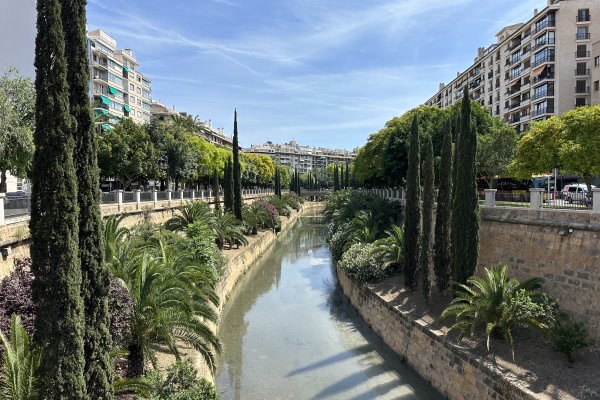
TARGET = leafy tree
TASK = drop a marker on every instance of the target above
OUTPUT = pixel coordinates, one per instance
(95, 276)
(495, 151)
(126, 152)
(426, 233)
(442, 257)
(259, 169)
(465, 202)
(567, 336)
(17, 116)
(237, 177)
(54, 221)
(412, 219)
(20, 361)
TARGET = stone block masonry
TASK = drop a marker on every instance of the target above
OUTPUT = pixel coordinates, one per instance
(455, 373)
(561, 246)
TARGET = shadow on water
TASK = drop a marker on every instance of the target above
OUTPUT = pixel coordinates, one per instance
(290, 333)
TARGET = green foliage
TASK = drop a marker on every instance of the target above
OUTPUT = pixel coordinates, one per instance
(442, 257)
(567, 336)
(412, 219)
(189, 213)
(19, 364)
(54, 221)
(258, 169)
(337, 244)
(495, 151)
(388, 250)
(498, 304)
(425, 256)
(465, 201)
(228, 230)
(17, 99)
(228, 186)
(215, 190)
(237, 175)
(256, 216)
(359, 263)
(181, 383)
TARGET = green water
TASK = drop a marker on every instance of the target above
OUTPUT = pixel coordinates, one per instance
(289, 333)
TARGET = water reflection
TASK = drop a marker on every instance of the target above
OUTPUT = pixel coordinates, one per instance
(289, 333)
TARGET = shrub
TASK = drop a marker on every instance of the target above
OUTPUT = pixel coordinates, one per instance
(337, 244)
(181, 383)
(292, 200)
(121, 306)
(15, 297)
(568, 335)
(359, 263)
(498, 304)
(279, 204)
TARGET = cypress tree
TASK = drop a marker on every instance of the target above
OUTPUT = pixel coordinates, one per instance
(336, 179)
(279, 183)
(215, 189)
(347, 176)
(342, 177)
(298, 183)
(95, 276)
(228, 186)
(428, 204)
(56, 289)
(465, 204)
(237, 177)
(442, 258)
(412, 218)
(275, 183)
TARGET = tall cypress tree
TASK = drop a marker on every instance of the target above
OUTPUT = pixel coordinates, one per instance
(412, 217)
(298, 184)
(442, 257)
(215, 189)
(336, 179)
(95, 276)
(228, 186)
(237, 175)
(275, 182)
(54, 223)
(465, 204)
(347, 176)
(428, 204)
(342, 177)
(279, 183)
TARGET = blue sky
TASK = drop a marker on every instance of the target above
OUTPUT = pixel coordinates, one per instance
(323, 72)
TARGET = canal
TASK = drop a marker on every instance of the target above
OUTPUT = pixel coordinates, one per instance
(289, 333)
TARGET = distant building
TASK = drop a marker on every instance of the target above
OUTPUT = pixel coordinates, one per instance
(118, 89)
(212, 135)
(535, 69)
(303, 158)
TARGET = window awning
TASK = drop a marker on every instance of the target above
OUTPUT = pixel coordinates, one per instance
(538, 71)
(112, 90)
(101, 111)
(126, 107)
(126, 69)
(105, 100)
(106, 127)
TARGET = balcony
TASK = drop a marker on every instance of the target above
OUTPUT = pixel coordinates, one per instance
(514, 119)
(543, 93)
(542, 25)
(514, 105)
(541, 111)
(582, 54)
(543, 60)
(582, 71)
(583, 18)
(543, 43)
(582, 36)
(582, 90)
(541, 78)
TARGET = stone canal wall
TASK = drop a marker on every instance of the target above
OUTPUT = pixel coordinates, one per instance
(561, 246)
(455, 373)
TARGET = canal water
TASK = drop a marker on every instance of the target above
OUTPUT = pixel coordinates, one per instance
(289, 333)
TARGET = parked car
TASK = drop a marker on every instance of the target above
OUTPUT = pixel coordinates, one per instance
(576, 193)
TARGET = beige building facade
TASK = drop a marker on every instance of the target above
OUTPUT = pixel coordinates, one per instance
(118, 89)
(536, 69)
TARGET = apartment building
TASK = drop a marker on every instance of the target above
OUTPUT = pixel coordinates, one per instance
(303, 158)
(596, 73)
(536, 69)
(118, 89)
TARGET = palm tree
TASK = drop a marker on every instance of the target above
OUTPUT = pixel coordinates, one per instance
(20, 362)
(388, 250)
(228, 230)
(363, 228)
(497, 304)
(188, 213)
(255, 216)
(172, 303)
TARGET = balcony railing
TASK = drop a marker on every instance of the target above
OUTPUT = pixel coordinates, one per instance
(544, 93)
(582, 54)
(583, 18)
(543, 60)
(515, 119)
(582, 89)
(543, 43)
(541, 111)
(514, 105)
(582, 36)
(541, 78)
(542, 25)
(582, 71)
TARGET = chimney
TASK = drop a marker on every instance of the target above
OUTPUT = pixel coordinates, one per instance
(209, 123)
(535, 11)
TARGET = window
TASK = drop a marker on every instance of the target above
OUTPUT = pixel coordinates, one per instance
(583, 15)
(596, 85)
(131, 86)
(139, 102)
(139, 91)
(581, 86)
(582, 33)
(580, 101)
(596, 61)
